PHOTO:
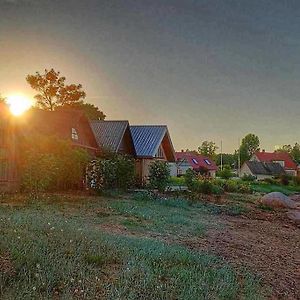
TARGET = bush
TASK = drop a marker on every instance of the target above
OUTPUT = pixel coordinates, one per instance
(48, 163)
(159, 175)
(115, 172)
(285, 179)
(225, 173)
(249, 177)
(296, 180)
(271, 181)
(190, 178)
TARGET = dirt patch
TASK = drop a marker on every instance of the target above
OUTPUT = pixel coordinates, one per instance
(270, 249)
(6, 265)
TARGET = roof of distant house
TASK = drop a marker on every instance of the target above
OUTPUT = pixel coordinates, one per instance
(277, 156)
(265, 168)
(109, 134)
(197, 161)
(148, 138)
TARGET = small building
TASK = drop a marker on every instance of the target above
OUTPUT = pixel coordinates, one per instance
(114, 136)
(151, 142)
(68, 125)
(197, 162)
(262, 170)
(283, 158)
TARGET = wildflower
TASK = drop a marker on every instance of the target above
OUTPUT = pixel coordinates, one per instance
(38, 266)
(19, 237)
(52, 228)
(72, 279)
(79, 281)
(71, 241)
(62, 230)
(49, 223)
(34, 288)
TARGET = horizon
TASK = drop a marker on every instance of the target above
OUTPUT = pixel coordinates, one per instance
(209, 70)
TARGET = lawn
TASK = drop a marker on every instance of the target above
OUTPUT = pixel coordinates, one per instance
(268, 188)
(128, 247)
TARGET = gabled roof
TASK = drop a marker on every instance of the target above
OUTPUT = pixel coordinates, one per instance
(197, 161)
(265, 168)
(277, 156)
(60, 124)
(148, 138)
(109, 134)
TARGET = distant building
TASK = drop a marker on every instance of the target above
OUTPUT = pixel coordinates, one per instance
(283, 158)
(151, 142)
(189, 160)
(261, 170)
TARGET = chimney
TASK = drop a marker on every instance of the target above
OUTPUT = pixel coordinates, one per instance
(182, 150)
(263, 150)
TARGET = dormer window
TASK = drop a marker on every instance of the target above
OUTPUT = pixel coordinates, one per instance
(74, 134)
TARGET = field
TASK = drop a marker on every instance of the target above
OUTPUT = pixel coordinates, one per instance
(138, 247)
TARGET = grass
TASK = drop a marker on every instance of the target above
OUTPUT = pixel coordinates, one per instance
(268, 188)
(58, 250)
(177, 181)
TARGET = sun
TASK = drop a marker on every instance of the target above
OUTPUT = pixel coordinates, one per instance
(18, 104)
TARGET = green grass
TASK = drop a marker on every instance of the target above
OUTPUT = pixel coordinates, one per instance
(268, 188)
(177, 181)
(59, 250)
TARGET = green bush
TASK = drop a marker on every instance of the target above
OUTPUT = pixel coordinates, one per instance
(159, 175)
(114, 172)
(285, 179)
(225, 173)
(271, 181)
(248, 177)
(190, 178)
(48, 163)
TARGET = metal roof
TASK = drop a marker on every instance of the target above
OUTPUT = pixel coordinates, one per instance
(109, 134)
(147, 139)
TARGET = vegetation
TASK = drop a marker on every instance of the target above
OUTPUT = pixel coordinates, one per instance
(294, 151)
(208, 149)
(226, 173)
(112, 172)
(63, 251)
(159, 175)
(54, 93)
(49, 164)
(250, 145)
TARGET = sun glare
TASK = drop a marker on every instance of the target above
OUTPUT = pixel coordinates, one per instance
(18, 104)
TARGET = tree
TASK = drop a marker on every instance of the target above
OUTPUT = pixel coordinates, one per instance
(294, 151)
(228, 159)
(250, 145)
(52, 90)
(208, 149)
(91, 111)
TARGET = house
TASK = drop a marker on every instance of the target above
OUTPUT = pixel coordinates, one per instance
(114, 136)
(69, 125)
(283, 158)
(151, 142)
(262, 170)
(199, 163)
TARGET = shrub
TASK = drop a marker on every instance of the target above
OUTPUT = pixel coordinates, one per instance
(159, 175)
(248, 177)
(190, 178)
(225, 173)
(48, 163)
(284, 179)
(117, 171)
(296, 180)
(270, 181)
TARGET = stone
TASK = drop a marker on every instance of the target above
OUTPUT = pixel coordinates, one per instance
(278, 200)
(294, 215)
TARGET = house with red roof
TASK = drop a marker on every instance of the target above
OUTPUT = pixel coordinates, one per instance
(282, 158)
(197, 162)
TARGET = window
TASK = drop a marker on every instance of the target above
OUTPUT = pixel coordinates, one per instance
(74, 134)
(281, 162)
(207, 161)
(195, 161)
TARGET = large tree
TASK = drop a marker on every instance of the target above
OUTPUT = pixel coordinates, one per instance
(209, 149)
(294, 151)
(53, 91)
(250, 144)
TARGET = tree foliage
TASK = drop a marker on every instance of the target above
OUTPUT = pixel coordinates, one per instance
(209, 149)
(91, 111)
(53, 91)
(250, 145)
(294, 151)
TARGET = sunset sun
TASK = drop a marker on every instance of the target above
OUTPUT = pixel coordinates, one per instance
(18, 104)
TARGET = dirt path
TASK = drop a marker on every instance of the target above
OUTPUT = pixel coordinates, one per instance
(269, 248)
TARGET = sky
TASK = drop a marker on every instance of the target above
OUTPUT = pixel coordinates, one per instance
(210, 70)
